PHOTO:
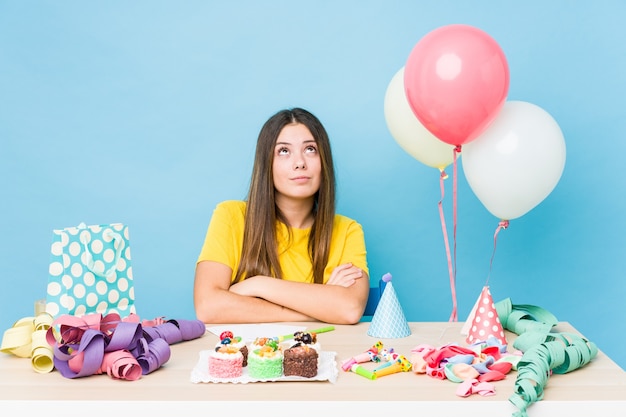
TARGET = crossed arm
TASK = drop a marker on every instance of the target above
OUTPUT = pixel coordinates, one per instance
(262, 299)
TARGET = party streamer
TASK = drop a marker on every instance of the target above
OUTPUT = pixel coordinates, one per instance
(544, 352)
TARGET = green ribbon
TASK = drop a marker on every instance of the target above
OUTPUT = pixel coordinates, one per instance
(544, 352)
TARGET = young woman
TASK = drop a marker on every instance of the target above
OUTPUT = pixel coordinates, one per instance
(284, 254)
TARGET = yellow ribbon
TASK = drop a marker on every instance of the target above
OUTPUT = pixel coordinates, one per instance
(27, 339)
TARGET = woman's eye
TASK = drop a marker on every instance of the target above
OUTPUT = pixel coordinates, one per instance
(283, 151)
(311, 149)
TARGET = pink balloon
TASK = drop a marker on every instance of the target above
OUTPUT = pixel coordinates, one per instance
(456, 80)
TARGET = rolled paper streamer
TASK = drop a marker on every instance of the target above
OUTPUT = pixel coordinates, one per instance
(175, 331)
(43, 321)
(167, 331)
(84, 361)
(357, 369)
(27, 339)
(17, 339)
(153, 356)
(122, 348)
(43, 360)
(125, 336)
(190, 329)
(121, 364)
(42, 355)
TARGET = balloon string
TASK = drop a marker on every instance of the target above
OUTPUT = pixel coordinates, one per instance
(457, 150)
(502, 225)
(453, 315)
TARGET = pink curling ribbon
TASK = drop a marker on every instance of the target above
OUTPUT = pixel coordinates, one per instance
(370, 355)
(121, 364)
(457, 150)
(451, 269)
(502, 225)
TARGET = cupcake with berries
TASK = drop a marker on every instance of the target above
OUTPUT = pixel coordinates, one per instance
(265, 360)
(225, 362)
(227, 339)
(302, 357)
(304, 338)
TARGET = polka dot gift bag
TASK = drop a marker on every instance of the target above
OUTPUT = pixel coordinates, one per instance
(90, 271)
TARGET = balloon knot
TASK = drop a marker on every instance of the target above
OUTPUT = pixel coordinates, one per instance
(504, 224)
(457, 149)
(443, 175)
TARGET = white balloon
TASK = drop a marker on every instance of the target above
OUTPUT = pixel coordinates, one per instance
(517, 161)
(409, 132)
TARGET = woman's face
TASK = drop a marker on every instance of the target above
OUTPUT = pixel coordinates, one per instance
(297, 165)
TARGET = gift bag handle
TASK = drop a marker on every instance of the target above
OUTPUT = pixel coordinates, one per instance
(118, 245)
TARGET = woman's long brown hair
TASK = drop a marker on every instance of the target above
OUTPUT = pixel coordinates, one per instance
(259, 254)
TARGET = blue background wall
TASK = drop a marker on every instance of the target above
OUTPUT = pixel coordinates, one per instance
(147, 112)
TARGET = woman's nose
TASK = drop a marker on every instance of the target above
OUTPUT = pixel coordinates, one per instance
(299, 164)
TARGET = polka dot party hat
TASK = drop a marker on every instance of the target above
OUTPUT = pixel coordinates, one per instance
(483, 322)
(389, 321)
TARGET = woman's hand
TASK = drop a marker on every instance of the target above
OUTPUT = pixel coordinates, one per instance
(345, 275)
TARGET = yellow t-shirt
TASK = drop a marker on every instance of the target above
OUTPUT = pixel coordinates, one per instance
(224, 241)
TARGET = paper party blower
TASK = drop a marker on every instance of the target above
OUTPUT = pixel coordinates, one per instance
(483, 322)
(389, 321)
(370, 355)
(400, 364)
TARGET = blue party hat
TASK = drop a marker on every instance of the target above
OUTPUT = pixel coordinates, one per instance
(389, 321)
